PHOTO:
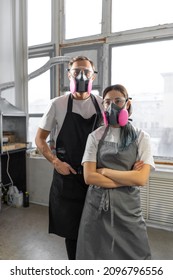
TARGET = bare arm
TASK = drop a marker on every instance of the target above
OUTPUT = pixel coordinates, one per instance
(130, 178)
(61, 167)
(92, 177)
(99, 177)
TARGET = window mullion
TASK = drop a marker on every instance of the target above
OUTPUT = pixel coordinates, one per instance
(106, 17)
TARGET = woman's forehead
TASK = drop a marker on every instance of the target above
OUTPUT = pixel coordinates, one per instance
(113, 93)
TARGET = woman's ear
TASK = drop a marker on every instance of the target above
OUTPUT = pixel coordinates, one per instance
(129, 107)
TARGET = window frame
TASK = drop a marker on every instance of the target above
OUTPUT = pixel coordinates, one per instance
(42, 51)
(109, 39)
(106, 41)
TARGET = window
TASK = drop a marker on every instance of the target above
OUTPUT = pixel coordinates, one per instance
(39, 95)
(141, 61)
(39, 92)
(39, 22)
(33, 126)
(82, 18)
(133, 14)
(39, 87)
(146, 70)
(40, 51)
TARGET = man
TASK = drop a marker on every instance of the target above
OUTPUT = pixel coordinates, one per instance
(74, 116)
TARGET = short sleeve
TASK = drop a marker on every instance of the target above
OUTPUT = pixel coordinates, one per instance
(90, 153)
(144, 149)
(48, 121)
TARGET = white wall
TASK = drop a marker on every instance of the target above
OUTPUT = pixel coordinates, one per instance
(39, 177)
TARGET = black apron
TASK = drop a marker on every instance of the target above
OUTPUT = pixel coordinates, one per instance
(112, 225)
(67, 194)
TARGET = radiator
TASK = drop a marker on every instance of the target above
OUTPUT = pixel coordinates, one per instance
(157, 200)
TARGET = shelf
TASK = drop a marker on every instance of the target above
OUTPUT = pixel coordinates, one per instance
(13, 146)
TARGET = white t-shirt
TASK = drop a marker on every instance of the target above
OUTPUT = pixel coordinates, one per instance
(113, 135)
(55, 114)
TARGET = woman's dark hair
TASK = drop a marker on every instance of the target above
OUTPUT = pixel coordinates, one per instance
(117, 87)
(128, 133)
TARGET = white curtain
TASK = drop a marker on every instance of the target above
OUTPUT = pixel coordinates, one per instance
(13, 51)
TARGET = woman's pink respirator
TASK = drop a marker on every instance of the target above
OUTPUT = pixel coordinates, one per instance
(115, 115)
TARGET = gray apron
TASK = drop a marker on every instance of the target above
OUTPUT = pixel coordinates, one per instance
(112, 225)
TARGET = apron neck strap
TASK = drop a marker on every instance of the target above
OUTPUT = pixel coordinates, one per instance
(70, 103)
(105, 133)
(98, 111)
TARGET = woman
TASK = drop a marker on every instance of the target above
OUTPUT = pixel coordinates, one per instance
(112, 225)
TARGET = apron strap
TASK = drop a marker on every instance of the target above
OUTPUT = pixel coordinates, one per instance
(105, 201)
(70, 103)
(98, 111)
(104, 134)
(94, 100)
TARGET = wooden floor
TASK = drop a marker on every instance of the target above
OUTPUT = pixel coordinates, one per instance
(24, 236)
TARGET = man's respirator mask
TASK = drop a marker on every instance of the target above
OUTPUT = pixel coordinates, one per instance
(81, 80)
(115, 115)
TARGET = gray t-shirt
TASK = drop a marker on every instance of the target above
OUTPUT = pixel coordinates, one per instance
(113, 135)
